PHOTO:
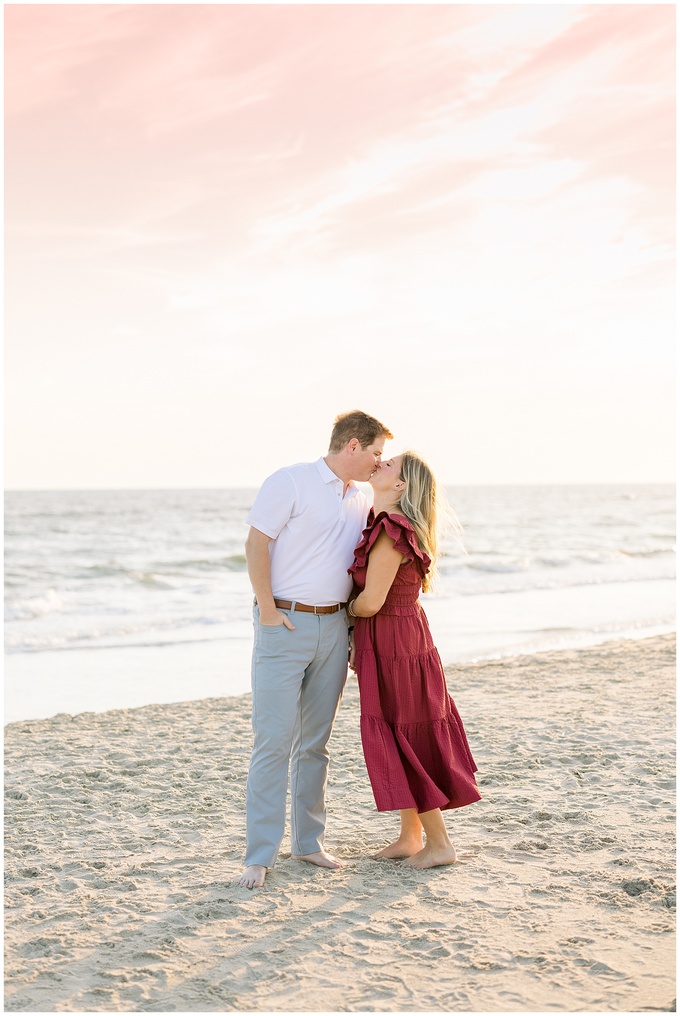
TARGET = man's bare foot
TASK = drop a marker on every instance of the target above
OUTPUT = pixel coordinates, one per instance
(253, 876)
(431, 857)
(320, 858)
(403, 847)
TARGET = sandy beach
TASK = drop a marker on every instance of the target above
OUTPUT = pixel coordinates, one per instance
(125, 829)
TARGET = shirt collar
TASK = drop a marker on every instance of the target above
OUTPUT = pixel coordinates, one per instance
(325, 471)
(328, 476)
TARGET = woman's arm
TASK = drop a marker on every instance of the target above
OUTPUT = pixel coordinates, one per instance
(383, 565)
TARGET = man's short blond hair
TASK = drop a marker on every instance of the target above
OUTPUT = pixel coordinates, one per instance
(366, 429)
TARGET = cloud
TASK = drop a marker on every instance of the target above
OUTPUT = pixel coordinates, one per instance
(336, 185)
(49, 46)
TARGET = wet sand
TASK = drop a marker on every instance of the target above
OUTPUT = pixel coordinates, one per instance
(124, 831)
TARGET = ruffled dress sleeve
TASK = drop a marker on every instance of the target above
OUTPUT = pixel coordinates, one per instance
(400, 530)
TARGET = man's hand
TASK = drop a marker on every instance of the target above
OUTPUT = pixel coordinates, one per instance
(351, 653)
(275, 618)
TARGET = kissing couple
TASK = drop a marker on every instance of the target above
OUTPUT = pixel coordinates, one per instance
(329, 570)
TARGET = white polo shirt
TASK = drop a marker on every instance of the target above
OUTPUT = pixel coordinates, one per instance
(313, 529)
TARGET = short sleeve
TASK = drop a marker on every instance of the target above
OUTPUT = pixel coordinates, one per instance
(401, 532)
(274, 504)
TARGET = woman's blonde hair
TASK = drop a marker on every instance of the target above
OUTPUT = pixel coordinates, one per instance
(427, 508)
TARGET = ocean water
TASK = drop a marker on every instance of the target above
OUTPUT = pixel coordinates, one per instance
(120, 598)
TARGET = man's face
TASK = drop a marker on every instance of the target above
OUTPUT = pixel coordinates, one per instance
(365, 460)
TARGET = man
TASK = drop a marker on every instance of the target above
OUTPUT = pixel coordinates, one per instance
(305, 523)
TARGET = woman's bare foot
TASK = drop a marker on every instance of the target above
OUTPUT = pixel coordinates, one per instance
(321, 859)
(431, 857)
(253, 876)
(403, 847)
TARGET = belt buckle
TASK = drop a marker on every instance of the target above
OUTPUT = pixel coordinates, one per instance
(315, 610)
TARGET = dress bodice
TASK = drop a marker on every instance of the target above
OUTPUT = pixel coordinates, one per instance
(402, 596)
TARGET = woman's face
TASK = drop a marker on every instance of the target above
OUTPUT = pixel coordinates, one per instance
(387, 476)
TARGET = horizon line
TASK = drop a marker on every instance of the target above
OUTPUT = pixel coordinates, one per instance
(249, 486)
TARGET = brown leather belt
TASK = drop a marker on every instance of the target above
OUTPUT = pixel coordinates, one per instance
(306, 609)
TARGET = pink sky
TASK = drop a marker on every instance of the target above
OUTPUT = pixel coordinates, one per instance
(308, 208)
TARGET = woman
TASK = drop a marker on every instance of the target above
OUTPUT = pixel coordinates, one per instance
(415, 747)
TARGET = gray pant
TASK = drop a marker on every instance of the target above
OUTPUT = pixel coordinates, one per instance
(297, 679)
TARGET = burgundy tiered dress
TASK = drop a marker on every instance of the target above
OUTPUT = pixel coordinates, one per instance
(416, 751)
